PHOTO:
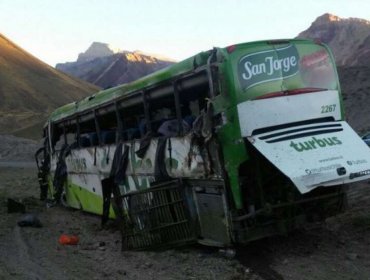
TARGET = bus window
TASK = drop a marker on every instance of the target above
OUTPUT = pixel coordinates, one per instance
(71, 135)
(108, 126)
(162, 111)
(58, 139)
(88, 135)
(193, 101)
(133, 119)
(163, 116)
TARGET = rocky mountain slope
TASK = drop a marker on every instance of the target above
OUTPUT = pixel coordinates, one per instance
(31, 89)
(355, 83)
(97, 50)
(349, 39)
(16, 149)
(105, 66)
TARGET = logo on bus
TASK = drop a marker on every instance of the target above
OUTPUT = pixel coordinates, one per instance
(266, 66)
(315, 143)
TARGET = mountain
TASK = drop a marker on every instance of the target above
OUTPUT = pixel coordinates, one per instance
(105, 66)
(349, 39)
(31, 89)
(97, 50)
(355, 83)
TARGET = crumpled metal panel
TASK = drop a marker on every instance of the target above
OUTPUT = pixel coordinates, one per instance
(89, 165)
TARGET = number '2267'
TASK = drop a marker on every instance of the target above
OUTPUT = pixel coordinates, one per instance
(328, 108)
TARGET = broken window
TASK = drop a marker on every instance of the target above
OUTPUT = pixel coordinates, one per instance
(87, 135)
(107, 122)
(133, 120)
(162, 114)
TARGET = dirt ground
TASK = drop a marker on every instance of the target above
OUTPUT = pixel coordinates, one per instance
(336, 249)
(34, 253)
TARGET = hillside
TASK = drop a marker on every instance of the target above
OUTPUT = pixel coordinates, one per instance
(349, 39)
(31, 89)
(105, 66)
(355, 83)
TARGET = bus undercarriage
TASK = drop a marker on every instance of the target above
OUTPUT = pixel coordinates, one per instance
(174, 212)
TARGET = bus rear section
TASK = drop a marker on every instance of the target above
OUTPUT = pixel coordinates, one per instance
(301, 151)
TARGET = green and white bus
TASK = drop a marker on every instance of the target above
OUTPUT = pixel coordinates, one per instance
(228, 146)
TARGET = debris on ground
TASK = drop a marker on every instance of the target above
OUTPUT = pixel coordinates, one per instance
(15, 206)
(65, 239)
(29, 220)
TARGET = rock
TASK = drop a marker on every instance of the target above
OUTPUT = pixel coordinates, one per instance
(122, 272)
(341, 241)
(188, 271)
(228, 253)
(352, 256)
(15, 206)
(29, 220)
(97, 50)
(105, 66)
(148, 265)
(333, 30)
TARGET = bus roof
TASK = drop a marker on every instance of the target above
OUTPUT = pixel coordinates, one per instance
(125, 90)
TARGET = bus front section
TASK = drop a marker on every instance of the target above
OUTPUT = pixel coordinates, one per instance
(299, 152)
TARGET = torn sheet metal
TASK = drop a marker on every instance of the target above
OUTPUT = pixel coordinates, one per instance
(87, 166)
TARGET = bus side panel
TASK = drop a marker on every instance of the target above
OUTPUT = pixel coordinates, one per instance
(87, 167)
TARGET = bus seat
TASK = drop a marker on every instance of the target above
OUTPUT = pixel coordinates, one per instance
(189, 119)
(94, 141)
(84, 141)
(108, 136)
(157, 123)
(170, 128)
(142, 127)
(131, 133)
(74, 145)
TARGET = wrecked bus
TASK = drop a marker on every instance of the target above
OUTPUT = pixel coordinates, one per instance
(228, 146)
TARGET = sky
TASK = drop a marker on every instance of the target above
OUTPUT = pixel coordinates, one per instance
(56, 31)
